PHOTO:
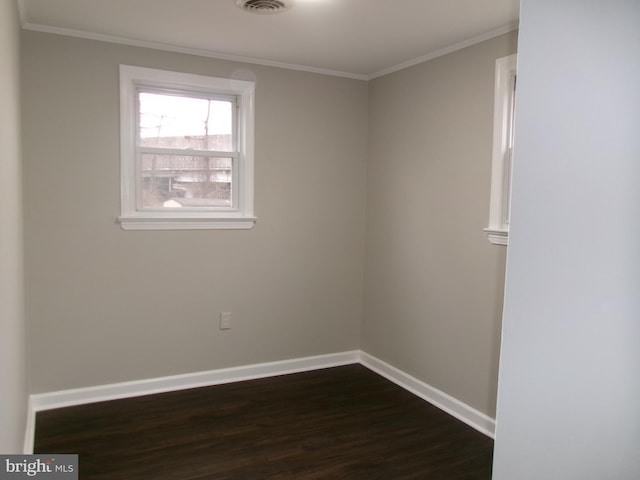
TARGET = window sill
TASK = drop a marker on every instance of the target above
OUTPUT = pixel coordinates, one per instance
(186, 223)
(497, 237)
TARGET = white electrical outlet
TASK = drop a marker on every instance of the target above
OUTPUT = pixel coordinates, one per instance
(225, 320)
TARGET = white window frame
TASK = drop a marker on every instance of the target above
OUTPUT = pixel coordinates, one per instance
(133, 217)
(503, 118)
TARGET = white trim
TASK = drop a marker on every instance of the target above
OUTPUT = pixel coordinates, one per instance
(134, 218)
(186, 50)
(30, 430)
(447, 50)
(454, 407)
(497, 236)
(503, 109)
(80, 396)
(182, 223)
(267, 63)
(100, 393)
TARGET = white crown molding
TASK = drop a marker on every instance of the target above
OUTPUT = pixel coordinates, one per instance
(257, 61)
(186, 50)
(450, 49)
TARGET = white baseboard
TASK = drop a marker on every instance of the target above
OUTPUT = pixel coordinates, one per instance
(454, 407)
(30, 431)
(81, 396)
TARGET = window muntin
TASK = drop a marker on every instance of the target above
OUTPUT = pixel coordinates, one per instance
(186, 150)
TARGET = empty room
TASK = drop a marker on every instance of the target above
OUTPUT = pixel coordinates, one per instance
(320, 239)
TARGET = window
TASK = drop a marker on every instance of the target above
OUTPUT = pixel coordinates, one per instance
(503, 117)
(186, 151)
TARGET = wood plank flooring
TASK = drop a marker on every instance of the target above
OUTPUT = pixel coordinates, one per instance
(337, 423)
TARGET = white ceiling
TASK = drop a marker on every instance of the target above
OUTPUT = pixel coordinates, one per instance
(354, 38)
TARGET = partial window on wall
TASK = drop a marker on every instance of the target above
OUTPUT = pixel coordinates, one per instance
(186, 151)
(503, 119)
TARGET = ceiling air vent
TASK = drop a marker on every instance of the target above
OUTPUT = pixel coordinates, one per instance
(264, 6)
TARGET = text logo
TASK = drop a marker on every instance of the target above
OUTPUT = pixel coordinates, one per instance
(52, 467)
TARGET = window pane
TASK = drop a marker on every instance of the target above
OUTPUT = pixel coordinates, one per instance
(181, 181)
(185, 122)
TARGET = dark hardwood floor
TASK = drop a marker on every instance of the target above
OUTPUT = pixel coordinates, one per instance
(338, 423)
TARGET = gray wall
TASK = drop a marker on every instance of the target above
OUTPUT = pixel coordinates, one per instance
(13, 369)
(434, 283)
(569, 389)
(106, 305)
